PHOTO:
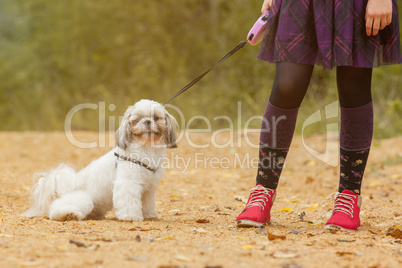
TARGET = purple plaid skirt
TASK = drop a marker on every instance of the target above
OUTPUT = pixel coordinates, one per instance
(330, 33)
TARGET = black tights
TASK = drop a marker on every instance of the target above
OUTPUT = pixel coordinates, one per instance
(292, 81)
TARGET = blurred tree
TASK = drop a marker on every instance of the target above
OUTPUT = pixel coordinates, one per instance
(58, 54)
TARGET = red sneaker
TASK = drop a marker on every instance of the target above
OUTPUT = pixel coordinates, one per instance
(346, 212)
(258, 207)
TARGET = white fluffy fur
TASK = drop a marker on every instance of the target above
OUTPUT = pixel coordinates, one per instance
(147, 129)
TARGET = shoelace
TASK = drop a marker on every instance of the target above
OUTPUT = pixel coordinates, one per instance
(258, 197)
(343, 203)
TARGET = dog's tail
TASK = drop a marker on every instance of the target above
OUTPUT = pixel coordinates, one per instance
(51, 185)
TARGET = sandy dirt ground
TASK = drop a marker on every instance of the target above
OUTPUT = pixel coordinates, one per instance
(197, 208)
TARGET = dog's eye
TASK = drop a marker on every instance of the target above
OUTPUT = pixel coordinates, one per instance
(135, 121)
(156, 118)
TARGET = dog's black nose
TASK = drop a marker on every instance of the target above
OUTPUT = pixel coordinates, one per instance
(147, 122)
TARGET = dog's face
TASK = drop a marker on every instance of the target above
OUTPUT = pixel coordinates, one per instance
(147, 123)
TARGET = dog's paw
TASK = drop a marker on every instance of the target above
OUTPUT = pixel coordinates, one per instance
(129, 217)
(150, 215)
(67, 217)
(66, 213)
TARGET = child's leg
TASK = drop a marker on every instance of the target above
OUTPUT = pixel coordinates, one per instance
(290, 86)
(354, 88)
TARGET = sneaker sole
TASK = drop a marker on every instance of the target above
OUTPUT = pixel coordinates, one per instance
(332, 226)
(248, 223)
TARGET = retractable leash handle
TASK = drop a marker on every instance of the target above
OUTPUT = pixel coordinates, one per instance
(254, 37)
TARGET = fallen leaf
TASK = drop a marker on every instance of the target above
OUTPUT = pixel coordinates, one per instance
(248, 247)
(343, 253)
(309, 179)
(78, 243)
(182, 258)
(140, 229)
(242, 238)
(164, 238)
(285, 210)
(203, 221)
(85, 231)
(272, 237)
(314, 206)
(5, 235)
(316, 222)
(311, 163)
(284, 254)
(27, 188)
(395, 233)
(199, 230)
(294, 201)
(174, 211)
(346, 240)
(138, 258)
(240, 198)
(334, 230)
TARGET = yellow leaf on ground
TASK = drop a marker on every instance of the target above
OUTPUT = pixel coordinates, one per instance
(26, 187)
(248, 247)
(311, 163)
(242, 238)
(174, 211)
(294, 201)
(314, 206)
(285, 210)
(164, 238)
(290, 201)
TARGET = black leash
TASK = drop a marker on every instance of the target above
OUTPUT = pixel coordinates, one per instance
(125, 158)
(233, 51)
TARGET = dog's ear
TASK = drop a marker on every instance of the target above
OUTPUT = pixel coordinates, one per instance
(123, 133)
(170, 135)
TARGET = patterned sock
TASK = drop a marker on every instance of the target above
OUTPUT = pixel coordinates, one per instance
(355, 140)
(277, 130)
(270, 165)
(353, 164)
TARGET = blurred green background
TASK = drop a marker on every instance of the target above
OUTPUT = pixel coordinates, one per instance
(56, 54)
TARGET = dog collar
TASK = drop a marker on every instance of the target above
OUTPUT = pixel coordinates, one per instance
(153, 170)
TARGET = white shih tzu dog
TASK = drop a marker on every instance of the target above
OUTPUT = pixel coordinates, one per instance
(126, 178)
